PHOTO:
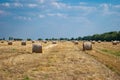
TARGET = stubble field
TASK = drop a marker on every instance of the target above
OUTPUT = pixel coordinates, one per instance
(61, 61)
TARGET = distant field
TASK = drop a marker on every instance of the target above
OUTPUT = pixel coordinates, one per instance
(61, 61)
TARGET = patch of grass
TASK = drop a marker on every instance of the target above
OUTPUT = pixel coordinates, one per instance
(13, 49)
(116, 53)
(112, 68)
(26, 78)
(46, 75)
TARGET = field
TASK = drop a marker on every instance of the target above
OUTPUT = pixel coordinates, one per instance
(61, 61)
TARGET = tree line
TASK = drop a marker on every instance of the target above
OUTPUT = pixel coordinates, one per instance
(108, 36)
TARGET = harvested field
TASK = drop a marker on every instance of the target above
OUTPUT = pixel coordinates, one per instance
(61, 61)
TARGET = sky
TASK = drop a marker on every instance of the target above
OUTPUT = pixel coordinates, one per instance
(58, 18)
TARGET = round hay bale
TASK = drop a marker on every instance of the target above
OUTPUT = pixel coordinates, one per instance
(87, 46)
(2, 41)
(10, 43)
(33, 41)
(114, 42)
(93, 42)
(44, 41)
(23, 43)
(99, 41)
(37, 48)
(118, 42)
(54, 42)
(76, 42)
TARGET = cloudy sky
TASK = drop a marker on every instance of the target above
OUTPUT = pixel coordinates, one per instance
(58, 18)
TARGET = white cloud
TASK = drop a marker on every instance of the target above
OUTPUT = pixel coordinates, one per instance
(6, 4)
(32, 5)
(58, 4)
(81, 6)
(18, 5)
(1, 12)
(105, 9)
(109, 9)
(85, 8)
(41, 16)
(83, 3)
(23, 18)
(116, 6)
(41, 1)
(57, 14)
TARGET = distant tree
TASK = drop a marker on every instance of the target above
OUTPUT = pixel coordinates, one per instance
(63, 38)
(40, 39)
(47, 39)
(79, 38)
(72, 38)
(108, 36)
(54, 38)
(11, 38)
(29, 39)
(118, 35)
(3, 38)
(18, 39)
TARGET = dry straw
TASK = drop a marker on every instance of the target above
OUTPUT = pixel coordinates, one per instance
(37, 48)
(114, 42)
(54, 42)
(87, 46)
(10, 43)
(23, 43)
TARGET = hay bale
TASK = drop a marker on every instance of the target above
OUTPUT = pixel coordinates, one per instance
(87, 46)
(44, 41)
(118, 42)
(23, 43)
(99, 41)
(93, 42)
(10, 43)
(33, 41)
(2, 41)
(76, 42)
(54, 42)
(114, 42)
(37, 48)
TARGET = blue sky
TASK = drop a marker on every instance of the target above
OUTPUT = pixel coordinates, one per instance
(58, 18)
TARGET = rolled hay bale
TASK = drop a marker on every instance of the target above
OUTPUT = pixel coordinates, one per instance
(93, 42)
(54, 42)
(36, 48)
(44, 41)
(114, 42)
(10, 43)
(23, 43)
(118, 42)
(76, 42)
(2, 41)
(87, 46)
(99, 41)
(33, 41)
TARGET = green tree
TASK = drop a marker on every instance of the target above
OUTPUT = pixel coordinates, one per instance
(29, 39)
